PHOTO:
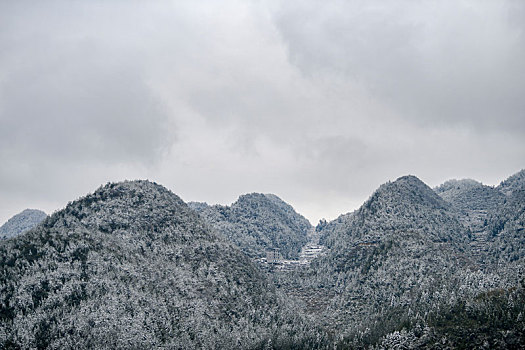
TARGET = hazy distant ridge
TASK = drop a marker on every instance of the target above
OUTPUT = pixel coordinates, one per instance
(21, 223)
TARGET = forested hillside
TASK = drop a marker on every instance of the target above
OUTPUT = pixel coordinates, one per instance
(506, 225)
(397, 263)
(494, 215)
(132, 266)
(407, 205)
(513, 183)
(470, 195)
(21, 223)
(492, 319)
(475, 204)
(256, 222)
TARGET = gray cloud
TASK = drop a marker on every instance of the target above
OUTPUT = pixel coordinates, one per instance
(70, 96)
(436, 62)
(316, 102)
(105, 113)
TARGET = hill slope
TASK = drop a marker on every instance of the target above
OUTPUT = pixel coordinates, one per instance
(475, 204)
(399, 256)
(256, 222)
(132, 266)
(513, 183)
(21, 223)
(506, 226)
(495, 216)
(470, 195)
(407, 205)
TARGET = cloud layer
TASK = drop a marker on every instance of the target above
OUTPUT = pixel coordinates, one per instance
(316, 102)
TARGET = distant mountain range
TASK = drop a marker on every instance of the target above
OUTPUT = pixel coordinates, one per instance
(132, 266)
(21, 223)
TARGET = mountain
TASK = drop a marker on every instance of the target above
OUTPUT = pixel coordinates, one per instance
(494, 215)
(470, 195)
(513, 183)
(390, 264)
(475, 204)
(21, 223)
(506, 226)
(407, 205)
(132, 266)
(257, 222)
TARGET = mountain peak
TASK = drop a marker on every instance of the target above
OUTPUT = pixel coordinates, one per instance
(467, 195)
(256, 222)
(132, 186)
(411, 181)
(513, 183)
(132, 208)
(407, 181)
(406, 190)
(405, 205)
(409, 178)
(402, 210)
(462, 184)
(135, 191)
(21, 222)
(259, 197)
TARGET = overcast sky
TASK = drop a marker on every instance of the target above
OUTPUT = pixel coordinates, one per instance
(318, 102)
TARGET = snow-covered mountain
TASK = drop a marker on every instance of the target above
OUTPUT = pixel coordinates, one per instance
(469, 195)
(132, 266)
(494, 215)
(405, 205)
(394, 263)
(492, 317)
(21, 223)
(506, 225)
(256, 222)
(513, 183)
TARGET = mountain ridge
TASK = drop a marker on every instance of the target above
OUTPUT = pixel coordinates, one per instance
(132, 266)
